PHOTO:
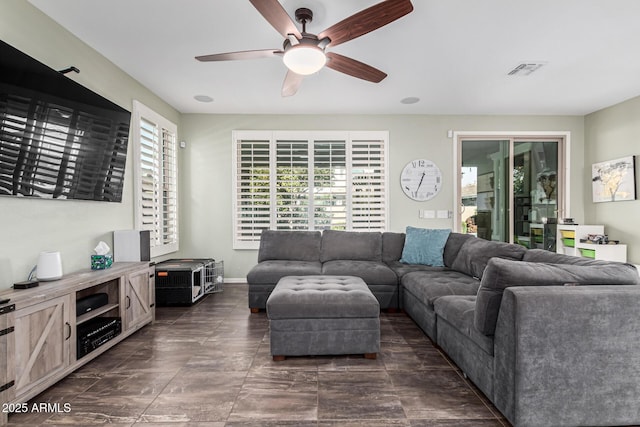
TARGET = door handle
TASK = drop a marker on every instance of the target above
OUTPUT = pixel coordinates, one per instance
(128, 302)
(68, 331)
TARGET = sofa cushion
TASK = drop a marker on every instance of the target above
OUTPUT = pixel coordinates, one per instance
(453, 245)
(424, 246)
(353, 245)
(502, 273)
(321, 297)
(289, 245)
(269, 272)
(392, 244)
(459, 310)
(475, 253)
(427, 286)
(540, 255)
(372, 272)
(401, 268)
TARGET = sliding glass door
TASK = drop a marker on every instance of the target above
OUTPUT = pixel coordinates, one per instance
(484, 204)
(511, 189)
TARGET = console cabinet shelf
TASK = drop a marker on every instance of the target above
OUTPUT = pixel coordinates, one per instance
(95, 313)
(43, 347)
(569, 242)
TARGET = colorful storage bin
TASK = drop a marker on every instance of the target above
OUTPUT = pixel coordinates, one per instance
(568, 242)
(588, 253)
(568, 234)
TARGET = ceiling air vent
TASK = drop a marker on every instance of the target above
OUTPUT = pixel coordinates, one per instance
(526, 68)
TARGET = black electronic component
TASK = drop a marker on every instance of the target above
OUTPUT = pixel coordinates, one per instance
(86, 134)
(26, 284)
(91, 302)
(95, 332)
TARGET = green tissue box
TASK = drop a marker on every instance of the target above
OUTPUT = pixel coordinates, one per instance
(101, 262)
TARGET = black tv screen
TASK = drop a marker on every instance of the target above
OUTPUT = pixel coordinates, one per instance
(58, 139)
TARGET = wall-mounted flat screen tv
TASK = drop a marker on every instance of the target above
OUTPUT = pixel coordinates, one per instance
(58, 139)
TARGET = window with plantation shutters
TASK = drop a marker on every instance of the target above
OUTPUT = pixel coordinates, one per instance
(156, 179)
(290, 180)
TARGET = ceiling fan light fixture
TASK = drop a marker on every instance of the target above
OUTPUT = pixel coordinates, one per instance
(304, 59)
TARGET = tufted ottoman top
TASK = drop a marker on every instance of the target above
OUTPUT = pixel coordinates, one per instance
(310, 297)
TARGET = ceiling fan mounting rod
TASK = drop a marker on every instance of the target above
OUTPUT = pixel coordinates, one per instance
(304, 16)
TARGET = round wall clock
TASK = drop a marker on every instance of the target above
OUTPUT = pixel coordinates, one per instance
(421, 180)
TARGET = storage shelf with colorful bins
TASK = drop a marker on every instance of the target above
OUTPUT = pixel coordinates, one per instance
(568, 238)
(573, 242)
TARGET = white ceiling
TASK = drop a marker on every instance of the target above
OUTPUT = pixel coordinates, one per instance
(452, 54)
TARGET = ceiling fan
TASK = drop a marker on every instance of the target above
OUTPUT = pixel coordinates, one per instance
(304, 53)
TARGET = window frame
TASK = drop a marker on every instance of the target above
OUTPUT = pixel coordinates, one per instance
(351, 138)
(157, 246)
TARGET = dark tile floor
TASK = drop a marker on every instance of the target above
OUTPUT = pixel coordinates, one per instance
(209, 365)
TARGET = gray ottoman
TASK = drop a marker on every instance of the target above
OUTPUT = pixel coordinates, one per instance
(323, 315)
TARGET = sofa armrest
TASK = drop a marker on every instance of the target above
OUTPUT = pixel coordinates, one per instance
(568, 355)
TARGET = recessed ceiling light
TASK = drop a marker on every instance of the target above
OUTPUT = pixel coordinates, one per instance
(410, 100)
(203, 98)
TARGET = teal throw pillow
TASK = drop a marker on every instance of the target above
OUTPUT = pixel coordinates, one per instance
(424, 246)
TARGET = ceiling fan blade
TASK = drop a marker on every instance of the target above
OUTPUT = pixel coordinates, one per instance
(291, 83)
(366, 21)
(246, 54)
(275, 14)
(354, 68)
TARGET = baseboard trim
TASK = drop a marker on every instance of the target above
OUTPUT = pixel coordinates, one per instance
(235, 280)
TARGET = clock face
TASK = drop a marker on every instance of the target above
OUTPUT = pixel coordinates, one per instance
(421, 180)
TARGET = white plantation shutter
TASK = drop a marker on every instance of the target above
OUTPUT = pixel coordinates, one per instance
(156, 179)
(149, 179)
(330, 185)
(169, 222)
(252, 199)
(292, 185)
(308, 181)
(368, 184)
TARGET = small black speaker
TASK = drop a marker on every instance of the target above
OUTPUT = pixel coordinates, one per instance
(91, 302)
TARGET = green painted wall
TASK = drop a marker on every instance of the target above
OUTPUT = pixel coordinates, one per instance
(612, 133)
(206, 169)
(28, 227)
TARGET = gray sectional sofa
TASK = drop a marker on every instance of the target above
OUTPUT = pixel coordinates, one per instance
(336, 253)
(550, 339)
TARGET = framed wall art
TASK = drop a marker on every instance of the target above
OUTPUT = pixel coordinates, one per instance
(614, 180)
